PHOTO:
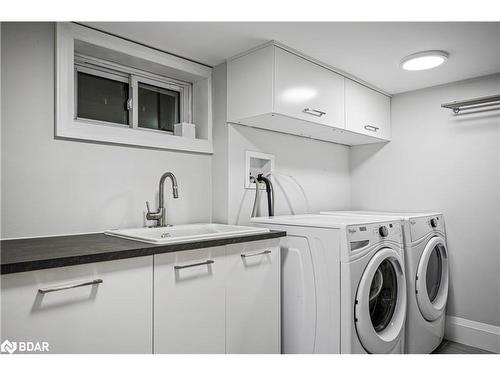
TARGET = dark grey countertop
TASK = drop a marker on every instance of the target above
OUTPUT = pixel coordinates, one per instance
(20, 255)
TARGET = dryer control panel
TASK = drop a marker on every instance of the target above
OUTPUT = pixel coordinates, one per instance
(421, 226)
(359, 236)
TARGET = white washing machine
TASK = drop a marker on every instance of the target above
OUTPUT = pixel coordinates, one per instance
(426, 263)
(343, 284)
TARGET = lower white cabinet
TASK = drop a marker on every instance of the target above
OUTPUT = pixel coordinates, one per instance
(103, 307)
(189, 312)
(253, 298)
(215, 300)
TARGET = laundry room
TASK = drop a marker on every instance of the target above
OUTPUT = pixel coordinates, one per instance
(264, 186)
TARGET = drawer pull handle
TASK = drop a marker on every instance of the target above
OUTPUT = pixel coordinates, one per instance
(64, 287)
(371, 128)
(265, 252)
(314, 112)
(194, 265)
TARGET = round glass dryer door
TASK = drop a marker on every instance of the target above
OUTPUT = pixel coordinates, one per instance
(432, 279)
(380, 306)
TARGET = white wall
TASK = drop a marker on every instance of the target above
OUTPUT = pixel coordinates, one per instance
(440, 162)
(321, 168)
(53, 186)
(220, 165)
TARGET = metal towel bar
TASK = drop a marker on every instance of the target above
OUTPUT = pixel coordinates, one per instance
(485, 101)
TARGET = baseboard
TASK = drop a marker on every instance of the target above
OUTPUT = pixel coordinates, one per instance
(472, 333)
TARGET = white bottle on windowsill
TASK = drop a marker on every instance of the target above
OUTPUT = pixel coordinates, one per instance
(185, 129)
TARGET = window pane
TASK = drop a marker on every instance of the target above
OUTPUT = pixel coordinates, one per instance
(102, 99)
(158, 108)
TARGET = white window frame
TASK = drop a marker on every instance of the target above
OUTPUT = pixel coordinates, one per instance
(188, 76)
(133, 77)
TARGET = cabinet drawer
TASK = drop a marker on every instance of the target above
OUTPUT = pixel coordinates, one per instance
(367, 111)
(189, 294)
(101, 307)
(307, 91)
(253, 298)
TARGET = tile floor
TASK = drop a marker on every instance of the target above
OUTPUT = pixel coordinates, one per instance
(450, 347)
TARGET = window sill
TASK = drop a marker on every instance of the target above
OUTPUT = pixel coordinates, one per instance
(123, 135)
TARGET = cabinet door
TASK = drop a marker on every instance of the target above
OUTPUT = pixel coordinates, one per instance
(367, 111)
(253, 298)
(189, 300)
(307, 91)
(101, 307)
(250, 85)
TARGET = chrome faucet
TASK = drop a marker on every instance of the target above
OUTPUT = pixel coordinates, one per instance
(161, 215)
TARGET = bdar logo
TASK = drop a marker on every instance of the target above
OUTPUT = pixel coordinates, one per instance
(24, 346)
(8, 347)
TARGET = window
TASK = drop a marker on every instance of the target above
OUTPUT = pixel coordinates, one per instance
(102, 98)
(111, 94)
(114, 91)
(158, 108)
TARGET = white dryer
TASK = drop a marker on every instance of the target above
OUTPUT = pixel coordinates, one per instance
(343, 284)
(426, 263)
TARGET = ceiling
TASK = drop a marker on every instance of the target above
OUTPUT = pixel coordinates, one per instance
(370, 51)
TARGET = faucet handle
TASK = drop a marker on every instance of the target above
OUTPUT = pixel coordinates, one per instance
(153, 215)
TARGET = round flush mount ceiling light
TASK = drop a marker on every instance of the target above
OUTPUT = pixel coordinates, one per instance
(424, 60)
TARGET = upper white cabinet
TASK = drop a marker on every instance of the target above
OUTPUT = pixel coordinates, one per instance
(275, 88)
(307, 91)
(367, 111)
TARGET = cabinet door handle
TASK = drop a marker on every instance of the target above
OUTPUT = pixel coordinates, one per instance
(64, 287)
(314, 112)
(265, 252)
(371, 128)
(195, 265)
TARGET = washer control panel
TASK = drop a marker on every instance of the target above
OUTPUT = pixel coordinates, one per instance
(383, 231)
(362, 235)
(434, 222)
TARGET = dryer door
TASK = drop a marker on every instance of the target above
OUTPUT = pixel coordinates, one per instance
(432, 279)
(380, 306)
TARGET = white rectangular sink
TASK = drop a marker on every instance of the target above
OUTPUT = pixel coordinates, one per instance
(184, 233)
